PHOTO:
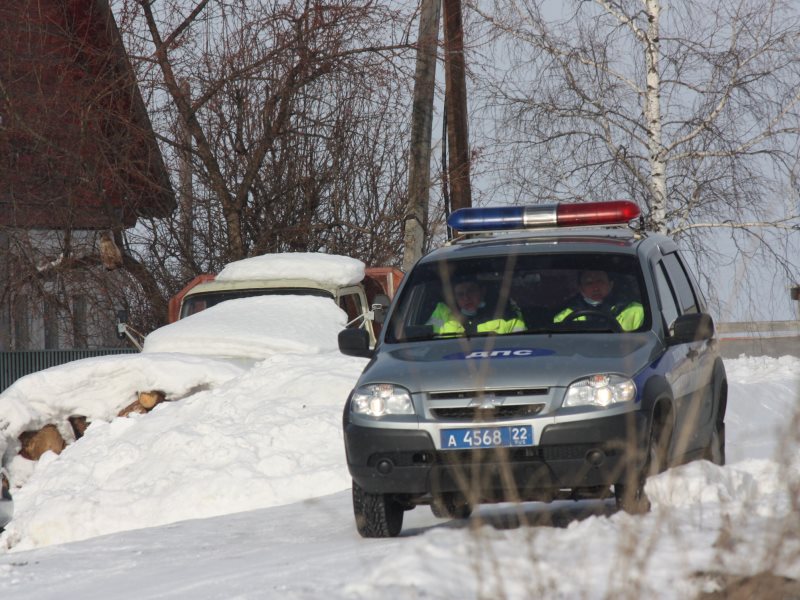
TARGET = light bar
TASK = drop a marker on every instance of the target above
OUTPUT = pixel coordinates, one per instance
(544, 215)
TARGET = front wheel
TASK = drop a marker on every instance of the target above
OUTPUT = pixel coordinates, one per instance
(715, 452)
(451, 506)
(630, 495)
(631, 498)
(377, 515)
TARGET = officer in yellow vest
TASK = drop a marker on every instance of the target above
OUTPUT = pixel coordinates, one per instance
(473, 315)
(595, 294)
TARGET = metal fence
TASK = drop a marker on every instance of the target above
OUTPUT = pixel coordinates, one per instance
(765, 338)
(14, 365)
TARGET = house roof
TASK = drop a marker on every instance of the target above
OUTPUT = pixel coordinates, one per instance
(77, 149)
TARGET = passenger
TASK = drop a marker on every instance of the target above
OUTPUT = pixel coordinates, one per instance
(595, 294)
(473, 315)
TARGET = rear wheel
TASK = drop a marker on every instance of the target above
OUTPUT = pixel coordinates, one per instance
(451, 506)
(377, 515)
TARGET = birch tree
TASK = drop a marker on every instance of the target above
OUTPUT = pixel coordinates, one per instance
(690, 108)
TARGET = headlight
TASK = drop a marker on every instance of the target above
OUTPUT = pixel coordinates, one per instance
(600, 391)
(379, 399)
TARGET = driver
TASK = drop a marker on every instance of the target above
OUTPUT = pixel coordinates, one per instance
(472, 313)
(594, 295)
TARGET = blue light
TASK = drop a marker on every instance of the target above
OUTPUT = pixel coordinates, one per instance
(577, 214)
(488, 219)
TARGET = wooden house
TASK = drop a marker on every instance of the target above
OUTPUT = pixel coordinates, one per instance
(78, 156)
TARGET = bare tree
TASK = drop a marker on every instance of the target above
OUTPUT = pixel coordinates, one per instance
(692, 111)
(287, 102)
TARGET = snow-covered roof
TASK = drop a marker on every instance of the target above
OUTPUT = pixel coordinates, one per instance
(329, 269)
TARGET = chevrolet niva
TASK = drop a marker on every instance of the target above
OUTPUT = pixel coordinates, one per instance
(534, 365)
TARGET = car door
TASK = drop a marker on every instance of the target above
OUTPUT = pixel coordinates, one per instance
(692, 362)
(353, 301)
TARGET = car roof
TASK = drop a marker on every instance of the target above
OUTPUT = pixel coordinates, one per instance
(617, 240)
(259, 284)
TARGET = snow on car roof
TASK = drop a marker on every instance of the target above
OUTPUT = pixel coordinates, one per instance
(254, 328)
(315, 266)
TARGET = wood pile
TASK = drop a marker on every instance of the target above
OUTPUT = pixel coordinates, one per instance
(48, 438)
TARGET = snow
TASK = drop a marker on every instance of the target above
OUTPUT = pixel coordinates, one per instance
(240, 487)
(324, 268)
(254, 327)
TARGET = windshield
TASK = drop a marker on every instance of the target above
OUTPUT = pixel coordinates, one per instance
(518, 294)
(196, 302)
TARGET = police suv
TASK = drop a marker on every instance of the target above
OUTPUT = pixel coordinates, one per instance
(549, 352)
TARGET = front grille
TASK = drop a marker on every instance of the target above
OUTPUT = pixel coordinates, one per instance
(476, 413)
(509, 393)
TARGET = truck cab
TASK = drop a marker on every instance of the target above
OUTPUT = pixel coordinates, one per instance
(357, 292)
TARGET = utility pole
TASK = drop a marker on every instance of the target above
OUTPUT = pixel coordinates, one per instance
(416, 220)
(185, 193)
(456, 104)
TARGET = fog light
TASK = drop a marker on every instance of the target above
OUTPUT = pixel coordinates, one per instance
(384, 466)
(595, 457)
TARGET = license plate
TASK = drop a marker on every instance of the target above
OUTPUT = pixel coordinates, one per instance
(487, 437)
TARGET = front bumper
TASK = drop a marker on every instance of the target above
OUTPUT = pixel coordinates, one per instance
(577, 455)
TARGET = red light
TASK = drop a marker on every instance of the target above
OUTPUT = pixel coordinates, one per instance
(596, 213)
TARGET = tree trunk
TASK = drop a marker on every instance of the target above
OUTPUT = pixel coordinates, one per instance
(658, 167)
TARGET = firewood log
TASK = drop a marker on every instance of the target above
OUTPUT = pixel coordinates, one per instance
(79, 425)
(150, 399)
(36, 443)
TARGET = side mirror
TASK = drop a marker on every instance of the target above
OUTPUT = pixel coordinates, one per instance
(691, 327)
(380, 304)
(355, 342)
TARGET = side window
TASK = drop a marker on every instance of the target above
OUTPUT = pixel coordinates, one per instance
(687, 303)
(351, 304)
(669, 308)
(701, 300)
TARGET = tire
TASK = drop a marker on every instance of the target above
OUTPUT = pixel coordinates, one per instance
(715, 452)
(451, 506)
(377, 515)
(629, 494)
(631, 498)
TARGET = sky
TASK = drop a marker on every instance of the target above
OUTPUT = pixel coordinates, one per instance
(238, 487)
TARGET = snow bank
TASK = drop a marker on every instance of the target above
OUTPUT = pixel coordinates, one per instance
(325, 268)
(763, 398)
(98, 388)
(271, 436)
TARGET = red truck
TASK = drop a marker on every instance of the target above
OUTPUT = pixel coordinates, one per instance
(357, 299)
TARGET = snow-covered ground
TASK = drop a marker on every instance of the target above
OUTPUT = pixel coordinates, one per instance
(240, 488)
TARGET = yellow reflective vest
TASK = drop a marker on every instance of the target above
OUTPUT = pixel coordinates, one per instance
(444, 321)
(629, 318)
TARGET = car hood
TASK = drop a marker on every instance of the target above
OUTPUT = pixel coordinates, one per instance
(509, 361)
